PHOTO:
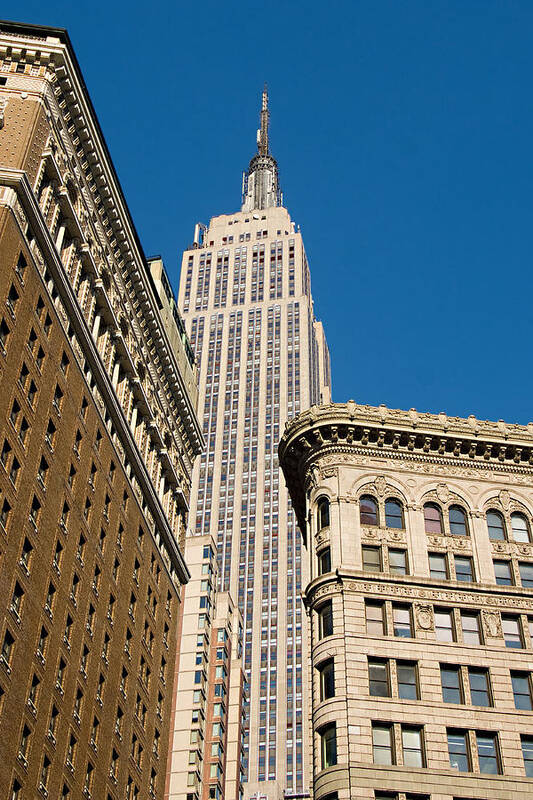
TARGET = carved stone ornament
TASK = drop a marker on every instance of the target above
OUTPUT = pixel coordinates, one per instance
(424, 617)
(460, 544)
(381, 485)
(351, 408)
(436, 541)
(443, 493)
(492, 623)
(329, 472)
(499, 548)
(314, 474)
(505, 499)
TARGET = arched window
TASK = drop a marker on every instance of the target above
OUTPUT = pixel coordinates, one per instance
(368, 510)
(323, 513)
(495, 525)
(393, 513)
(457, 517)
(432, 518)
(520, 528)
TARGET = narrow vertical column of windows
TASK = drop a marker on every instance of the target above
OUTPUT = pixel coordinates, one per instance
(293, 359)
(203, 282)
(205, 484)
(248, 501)
(306, 280)
(242, 282)
(279, 269)
(221, 279)
(313, 364)
(291, 267)
(188, 283)
(269, 595)
(229, 446)
(197, 339)
(258, 272)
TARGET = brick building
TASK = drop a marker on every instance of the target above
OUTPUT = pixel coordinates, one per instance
(420, 547)
(98, 435)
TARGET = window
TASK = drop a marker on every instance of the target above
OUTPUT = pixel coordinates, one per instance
(368, 510)
(457, 518)
(438, 566)
(488, 753)
(325, 620)
(527, 754)
(371, 558)
(520, 528)
(413, 754)
(393, 513)
(464, 569)
(323, 513)
(327, 680)
(406, 672)
(478, 678)
(375, 618)
(521, 682)
(444, 625)
(458, 750)
(401, 619)
(502, 572)
(382, 743)
(398, 562)
(495, 525)
(511, 632)
(379, 678)
(328, 746)
(450, 678)
(4, 334)
(471, 628)
(324, 561)
(526, 573)
(432, 518)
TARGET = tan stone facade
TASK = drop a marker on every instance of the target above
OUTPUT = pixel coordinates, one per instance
(420, 544)
(98, 436)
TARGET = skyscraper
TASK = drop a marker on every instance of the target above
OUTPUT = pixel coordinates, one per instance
(245, 295)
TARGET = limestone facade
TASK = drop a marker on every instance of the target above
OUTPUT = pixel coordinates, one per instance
(419, 533)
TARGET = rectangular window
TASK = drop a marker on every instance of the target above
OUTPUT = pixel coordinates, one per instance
(521, 682)
(511, 632)
(327, 680)
(378, 678)
(328, 746)
(480, 694)
(325, 620)
(401, 616)
(371, 559)
(526, 573)
(398, 562)
(412, 744)
(471, 628)
(458, 750)
(382, 743)
(444, 627)
(464, 570)
(375, 618)
(527, 753)
(407, 680)
(502, 572)
(488, 753)
(451, 684)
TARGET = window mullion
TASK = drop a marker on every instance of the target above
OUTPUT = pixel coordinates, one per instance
(472, 746)
(465, 682)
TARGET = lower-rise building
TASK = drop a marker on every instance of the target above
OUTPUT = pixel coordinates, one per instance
(419, 533)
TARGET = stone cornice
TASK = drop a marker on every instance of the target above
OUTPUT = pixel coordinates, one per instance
(17, 180)
(381, 432)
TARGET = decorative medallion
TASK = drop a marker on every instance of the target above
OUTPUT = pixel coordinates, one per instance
(424, 616)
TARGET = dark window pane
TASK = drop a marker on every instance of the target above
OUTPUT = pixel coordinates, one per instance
(457, 517)
(479, 687)
(495, 525)
(451, 684)
(522, 690)
(393, 514)
(327, 681)
(378, 678)
(463, 568)
(325, 617)
(324, 561)
(526, 573)
(368, 510)
(527, 752)
(407, 682)
(323, 513)
(458, 751)
(502, 572)
(432, 518)
(487, 749)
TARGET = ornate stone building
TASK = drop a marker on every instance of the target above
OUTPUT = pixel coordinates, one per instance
(98, 435)
(245, 295)
(420, 546)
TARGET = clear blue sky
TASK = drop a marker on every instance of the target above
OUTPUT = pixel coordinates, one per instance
(403, 131)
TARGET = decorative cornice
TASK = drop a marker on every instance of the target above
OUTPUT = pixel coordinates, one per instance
(17, 181)
(380, 432)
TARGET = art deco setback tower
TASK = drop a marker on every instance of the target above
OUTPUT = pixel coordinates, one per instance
(245, 294)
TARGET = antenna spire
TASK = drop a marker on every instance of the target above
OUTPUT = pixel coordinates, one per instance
(262, 134)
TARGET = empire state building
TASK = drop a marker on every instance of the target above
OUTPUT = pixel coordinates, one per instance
(262, 357)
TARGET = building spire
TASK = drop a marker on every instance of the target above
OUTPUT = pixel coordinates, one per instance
(260, 185)
(262, 133)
